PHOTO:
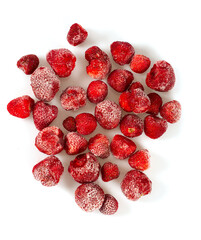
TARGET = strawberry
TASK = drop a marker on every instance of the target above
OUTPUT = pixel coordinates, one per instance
(21, 107)
(28, 63)
(154, 127)
(44, 114)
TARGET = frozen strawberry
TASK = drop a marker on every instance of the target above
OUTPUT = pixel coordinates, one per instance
(135, 185)
(73, 98)
(108, 114)
(48, 171)
(70, 124)
(97, 91)
(120, 79)
(122, 52)
(98, 68)
(99, 63)
(85, 123)
(109, 171)
(161, 77)
(50, 140)
(154, 127)
(89, 197)
(140, 160)
(110, 205)
(122, 147)
(131, 125)
(21, 107)
(85, 168)
(62, 61)
(156, 103)
(99, 146)
(139, 101)
(140, 63)
(171, 111)
(135, 85)
(125, 101)
(76, 35)
(44, 83)
(44, 114)
(95, 53)
(75, 143)
(28, 63)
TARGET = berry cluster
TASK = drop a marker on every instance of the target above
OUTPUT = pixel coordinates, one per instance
(85, 168)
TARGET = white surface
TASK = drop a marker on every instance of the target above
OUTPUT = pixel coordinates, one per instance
(159, 29)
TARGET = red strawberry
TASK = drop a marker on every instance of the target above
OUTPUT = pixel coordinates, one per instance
(154, 127)
(109, 171)
(76, 35)
(44, 114)
(21, 107)
(28, 63)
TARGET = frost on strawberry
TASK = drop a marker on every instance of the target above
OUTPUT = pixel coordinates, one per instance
(62, 61)
(73, 98)
(110, 205)
(44, 114)
(89, 197)
(76, 35)
(75, 143)
(161, 77)
(108, 114)
(135, 184)
(44, 83)
(99, 63)
(48, 171)
(50, 140)
(84, 168)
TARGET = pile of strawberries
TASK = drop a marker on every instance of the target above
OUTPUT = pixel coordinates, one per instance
(85, 168)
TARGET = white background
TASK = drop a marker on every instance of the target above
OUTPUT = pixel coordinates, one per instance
(166, 30)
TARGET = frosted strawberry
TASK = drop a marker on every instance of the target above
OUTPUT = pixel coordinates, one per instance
(109, 171)
(108, 114)
(135, 185)
(84, 168)
(140, 63)
(73, 98)
(85, 123)
(140, 160)
(44, 83)
(75, 143)
(171, 111)
(99, 146)
(99, 63)
(97, 91)
(48, 171)
(161, 77)
(139, 101)
(122, 52)
(44, 114)
(50, 140)
(76, 35)
(89, 197)
(62, 61)
(110, 205)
